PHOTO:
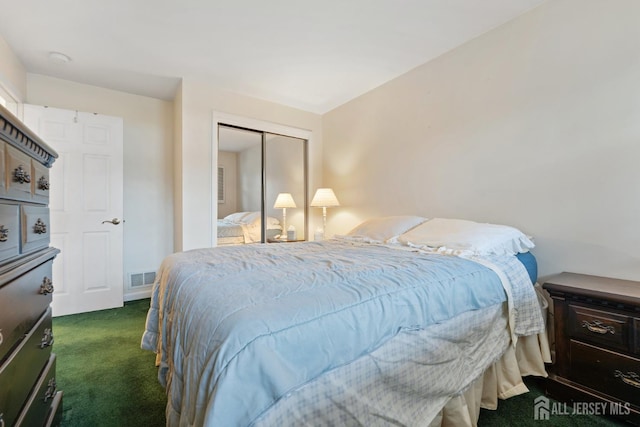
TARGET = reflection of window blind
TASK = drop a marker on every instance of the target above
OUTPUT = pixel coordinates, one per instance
(220, 184)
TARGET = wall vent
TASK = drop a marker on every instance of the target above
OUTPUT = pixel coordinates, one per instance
(142, 279)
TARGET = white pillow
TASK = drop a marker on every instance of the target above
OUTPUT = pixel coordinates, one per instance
(251, 217)
(236, 217)
(254, 218)
(384, 229)
(272, 222)
(461, 236)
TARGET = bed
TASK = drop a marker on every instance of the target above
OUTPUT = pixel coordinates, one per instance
(404, 320)
(245, 227)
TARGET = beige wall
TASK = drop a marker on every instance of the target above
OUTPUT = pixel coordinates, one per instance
(13, 76)
(229, 161)
(148, 163)
(535, 124)
(197, 211)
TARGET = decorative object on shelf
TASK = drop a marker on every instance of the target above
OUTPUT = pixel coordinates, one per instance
(284, 201)
(324, 198)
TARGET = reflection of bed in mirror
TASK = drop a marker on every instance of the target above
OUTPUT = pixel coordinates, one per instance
(244, 227)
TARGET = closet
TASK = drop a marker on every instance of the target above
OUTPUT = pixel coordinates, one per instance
(255, 167)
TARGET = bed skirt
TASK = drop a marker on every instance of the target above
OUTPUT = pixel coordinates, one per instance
(501, 380)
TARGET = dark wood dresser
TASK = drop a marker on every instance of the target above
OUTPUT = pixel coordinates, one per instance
(28, 392)
(597, 343)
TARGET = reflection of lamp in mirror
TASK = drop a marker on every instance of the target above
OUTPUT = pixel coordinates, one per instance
(324, 198)
(284, 201)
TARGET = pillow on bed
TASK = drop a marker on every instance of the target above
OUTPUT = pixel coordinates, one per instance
(236, 217)
(253, 218)
(460, 236)
(385, 229)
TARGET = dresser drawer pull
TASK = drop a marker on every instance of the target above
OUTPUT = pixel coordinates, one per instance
(47, 338)
(598, 327)
(43, 183)
(39, 227)
(4, 233)
(51, 390)
(20, 175)
(46, 287)
(630, 378)
(1, 337)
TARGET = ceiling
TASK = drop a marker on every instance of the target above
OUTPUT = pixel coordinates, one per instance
(311, 55)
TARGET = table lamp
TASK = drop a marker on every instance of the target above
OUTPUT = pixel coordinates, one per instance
(324, 198)
(284, 201)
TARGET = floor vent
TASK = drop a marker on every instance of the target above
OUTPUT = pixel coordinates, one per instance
(142, 279)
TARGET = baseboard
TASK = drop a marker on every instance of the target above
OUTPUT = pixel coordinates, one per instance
(132, 296)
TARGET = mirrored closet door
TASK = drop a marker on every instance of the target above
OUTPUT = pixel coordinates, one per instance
(262, 187)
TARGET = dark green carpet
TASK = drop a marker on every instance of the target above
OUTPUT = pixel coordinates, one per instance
(109, 381)
(106, 378)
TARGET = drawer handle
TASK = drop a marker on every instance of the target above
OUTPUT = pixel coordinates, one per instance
(4, 233)
(598, 327)
(630, 378)
(1, 337)
(46, 287)
(47, 338)
(40, 227)
(51, 390)
(43, 183)
(20, 175)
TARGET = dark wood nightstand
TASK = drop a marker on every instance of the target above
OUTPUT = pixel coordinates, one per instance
(597, 343)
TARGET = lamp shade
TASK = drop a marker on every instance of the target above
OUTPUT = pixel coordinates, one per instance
(324, 198)
(284, 200)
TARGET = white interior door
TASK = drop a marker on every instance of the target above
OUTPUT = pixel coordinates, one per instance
(86, 190)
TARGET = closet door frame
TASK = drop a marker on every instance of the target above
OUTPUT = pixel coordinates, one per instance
(221, 118)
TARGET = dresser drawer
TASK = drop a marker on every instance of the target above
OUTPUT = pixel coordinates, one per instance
(3, 167)
(17, 174)
(22, 305)
(40, 403)
(35, 228)
(600, 327)
(606, 371)
(636, 328)
(21, 370)
(9, 231)
(40, 183)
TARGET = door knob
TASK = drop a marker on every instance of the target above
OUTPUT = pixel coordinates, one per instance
(114, 221)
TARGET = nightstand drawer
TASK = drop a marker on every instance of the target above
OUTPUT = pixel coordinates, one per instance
(606, 371)
(600, 327)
